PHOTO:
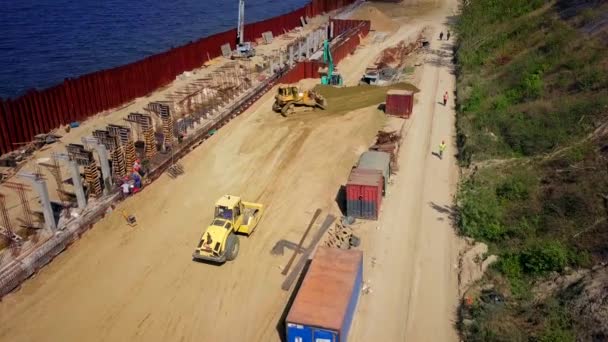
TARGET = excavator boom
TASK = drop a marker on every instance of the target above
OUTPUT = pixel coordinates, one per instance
(331, 78)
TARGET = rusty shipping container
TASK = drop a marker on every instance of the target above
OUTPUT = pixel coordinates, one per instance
(399, 103)
(364, 193)
(325, 304)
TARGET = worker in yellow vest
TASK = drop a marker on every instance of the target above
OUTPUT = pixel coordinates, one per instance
(442, 148)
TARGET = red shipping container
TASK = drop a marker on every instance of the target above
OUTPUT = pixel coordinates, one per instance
(364, 193)
(399, 103)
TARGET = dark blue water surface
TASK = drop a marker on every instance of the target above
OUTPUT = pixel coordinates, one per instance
(44, 41)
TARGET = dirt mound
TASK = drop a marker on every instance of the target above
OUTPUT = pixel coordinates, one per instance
(395, 56)
(588, 302)
(380, 21)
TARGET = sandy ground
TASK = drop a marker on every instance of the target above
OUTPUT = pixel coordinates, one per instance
(118, 283)
(411, 265)
(141, 283)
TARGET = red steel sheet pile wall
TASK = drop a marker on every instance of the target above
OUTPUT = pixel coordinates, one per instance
(77, 99)
(352, 31)
(302, 70)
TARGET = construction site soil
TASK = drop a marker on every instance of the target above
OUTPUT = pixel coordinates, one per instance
(380, 21)
(120, 283)
(293, 166)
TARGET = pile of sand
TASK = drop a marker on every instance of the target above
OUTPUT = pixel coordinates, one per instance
(380, 21)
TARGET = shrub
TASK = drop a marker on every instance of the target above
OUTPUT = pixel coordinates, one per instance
(558, 327)
(541, 258)
(480, 215)
(532, 85)
(473, 103)
(589, 79)
(528, 134)
(577, 153)
(510, 265)
(502, 102)
(557, 335)
(572, 205)
(513, 189)
(525, 222)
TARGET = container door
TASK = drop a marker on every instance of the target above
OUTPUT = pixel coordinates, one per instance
(325, 336)
(369, 203)
(299, 333)
(353, 201)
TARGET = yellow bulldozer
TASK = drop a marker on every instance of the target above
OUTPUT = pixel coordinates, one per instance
(291, 99)
(219, 242)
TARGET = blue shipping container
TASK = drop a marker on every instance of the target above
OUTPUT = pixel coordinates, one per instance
(325, 304)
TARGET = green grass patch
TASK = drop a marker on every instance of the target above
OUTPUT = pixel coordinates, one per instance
(342, 100)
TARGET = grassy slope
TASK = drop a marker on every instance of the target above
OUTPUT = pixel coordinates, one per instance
(533, 96)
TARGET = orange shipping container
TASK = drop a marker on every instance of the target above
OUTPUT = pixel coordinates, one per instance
(324, 307)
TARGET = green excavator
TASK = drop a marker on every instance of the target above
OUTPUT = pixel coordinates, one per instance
(331, 76)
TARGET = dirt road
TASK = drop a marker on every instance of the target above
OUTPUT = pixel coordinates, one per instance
(119, 283)
(411, 265)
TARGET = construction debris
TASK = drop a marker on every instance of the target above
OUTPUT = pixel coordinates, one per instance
(175, 170)
(129, 219)
(388, 142)
(341, 236)
(373, 262)
(45, 139)
(395, 56)
(366, 288)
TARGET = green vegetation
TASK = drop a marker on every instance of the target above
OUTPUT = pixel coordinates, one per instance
(532, 101)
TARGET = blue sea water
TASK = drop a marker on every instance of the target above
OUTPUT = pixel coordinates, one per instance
(44, 41)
